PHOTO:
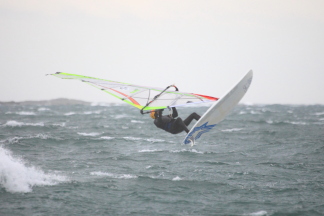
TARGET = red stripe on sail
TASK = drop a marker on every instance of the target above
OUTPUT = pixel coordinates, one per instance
(207, 97)
(131, 99)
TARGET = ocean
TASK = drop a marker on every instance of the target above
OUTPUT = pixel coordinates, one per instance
(111, 160)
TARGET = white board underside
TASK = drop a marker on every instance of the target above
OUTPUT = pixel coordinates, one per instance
(220, 109)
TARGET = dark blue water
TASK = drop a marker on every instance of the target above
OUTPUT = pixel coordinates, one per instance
(110, 160)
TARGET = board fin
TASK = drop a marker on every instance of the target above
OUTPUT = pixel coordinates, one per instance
(192, 141)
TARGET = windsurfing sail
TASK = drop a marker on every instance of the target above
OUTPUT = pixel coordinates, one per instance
(141, 97)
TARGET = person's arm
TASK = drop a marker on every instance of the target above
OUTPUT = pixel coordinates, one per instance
(174, 112)
(160, 114)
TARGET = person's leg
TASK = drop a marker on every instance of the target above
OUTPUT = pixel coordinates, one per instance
(178, 126)
(191, 117)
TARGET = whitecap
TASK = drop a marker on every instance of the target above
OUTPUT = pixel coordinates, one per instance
(69, 113)
(20, 124)
(126, 176)
(148, 150)
(63, 124)
(112, 175)
(106, 138)
(187, 150)
(154, 140)
(40, 136)
(296, 123)
(259, 213)
(16, 177)
(87, 113)
(319, 113)
(91, 112)
(25, 113)
(195, 151)
(41, 109)
(89, 134)
(12, 140)
(14, 124)
(176, 179)
(232, 130)
(136, 121)
(132, 138)
(41, 124)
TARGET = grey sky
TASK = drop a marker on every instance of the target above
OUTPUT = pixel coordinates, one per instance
(201, 46)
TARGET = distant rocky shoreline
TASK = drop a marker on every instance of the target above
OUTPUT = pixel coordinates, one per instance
(60, 101)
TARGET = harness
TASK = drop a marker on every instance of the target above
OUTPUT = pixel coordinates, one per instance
(167, 126)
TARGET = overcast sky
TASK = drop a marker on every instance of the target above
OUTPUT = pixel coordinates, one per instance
(202, 46)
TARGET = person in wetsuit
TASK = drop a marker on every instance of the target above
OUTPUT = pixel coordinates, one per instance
(171, 123)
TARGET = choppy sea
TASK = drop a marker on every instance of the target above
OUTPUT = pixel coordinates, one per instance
(111, 160)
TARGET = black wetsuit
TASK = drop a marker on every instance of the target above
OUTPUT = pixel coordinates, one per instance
(172, 124)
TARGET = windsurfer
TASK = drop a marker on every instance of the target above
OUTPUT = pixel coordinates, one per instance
(171, 123)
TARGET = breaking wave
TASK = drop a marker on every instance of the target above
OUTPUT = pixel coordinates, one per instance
(17, 177)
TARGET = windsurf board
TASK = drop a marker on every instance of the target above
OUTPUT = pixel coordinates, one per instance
(219, 110)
